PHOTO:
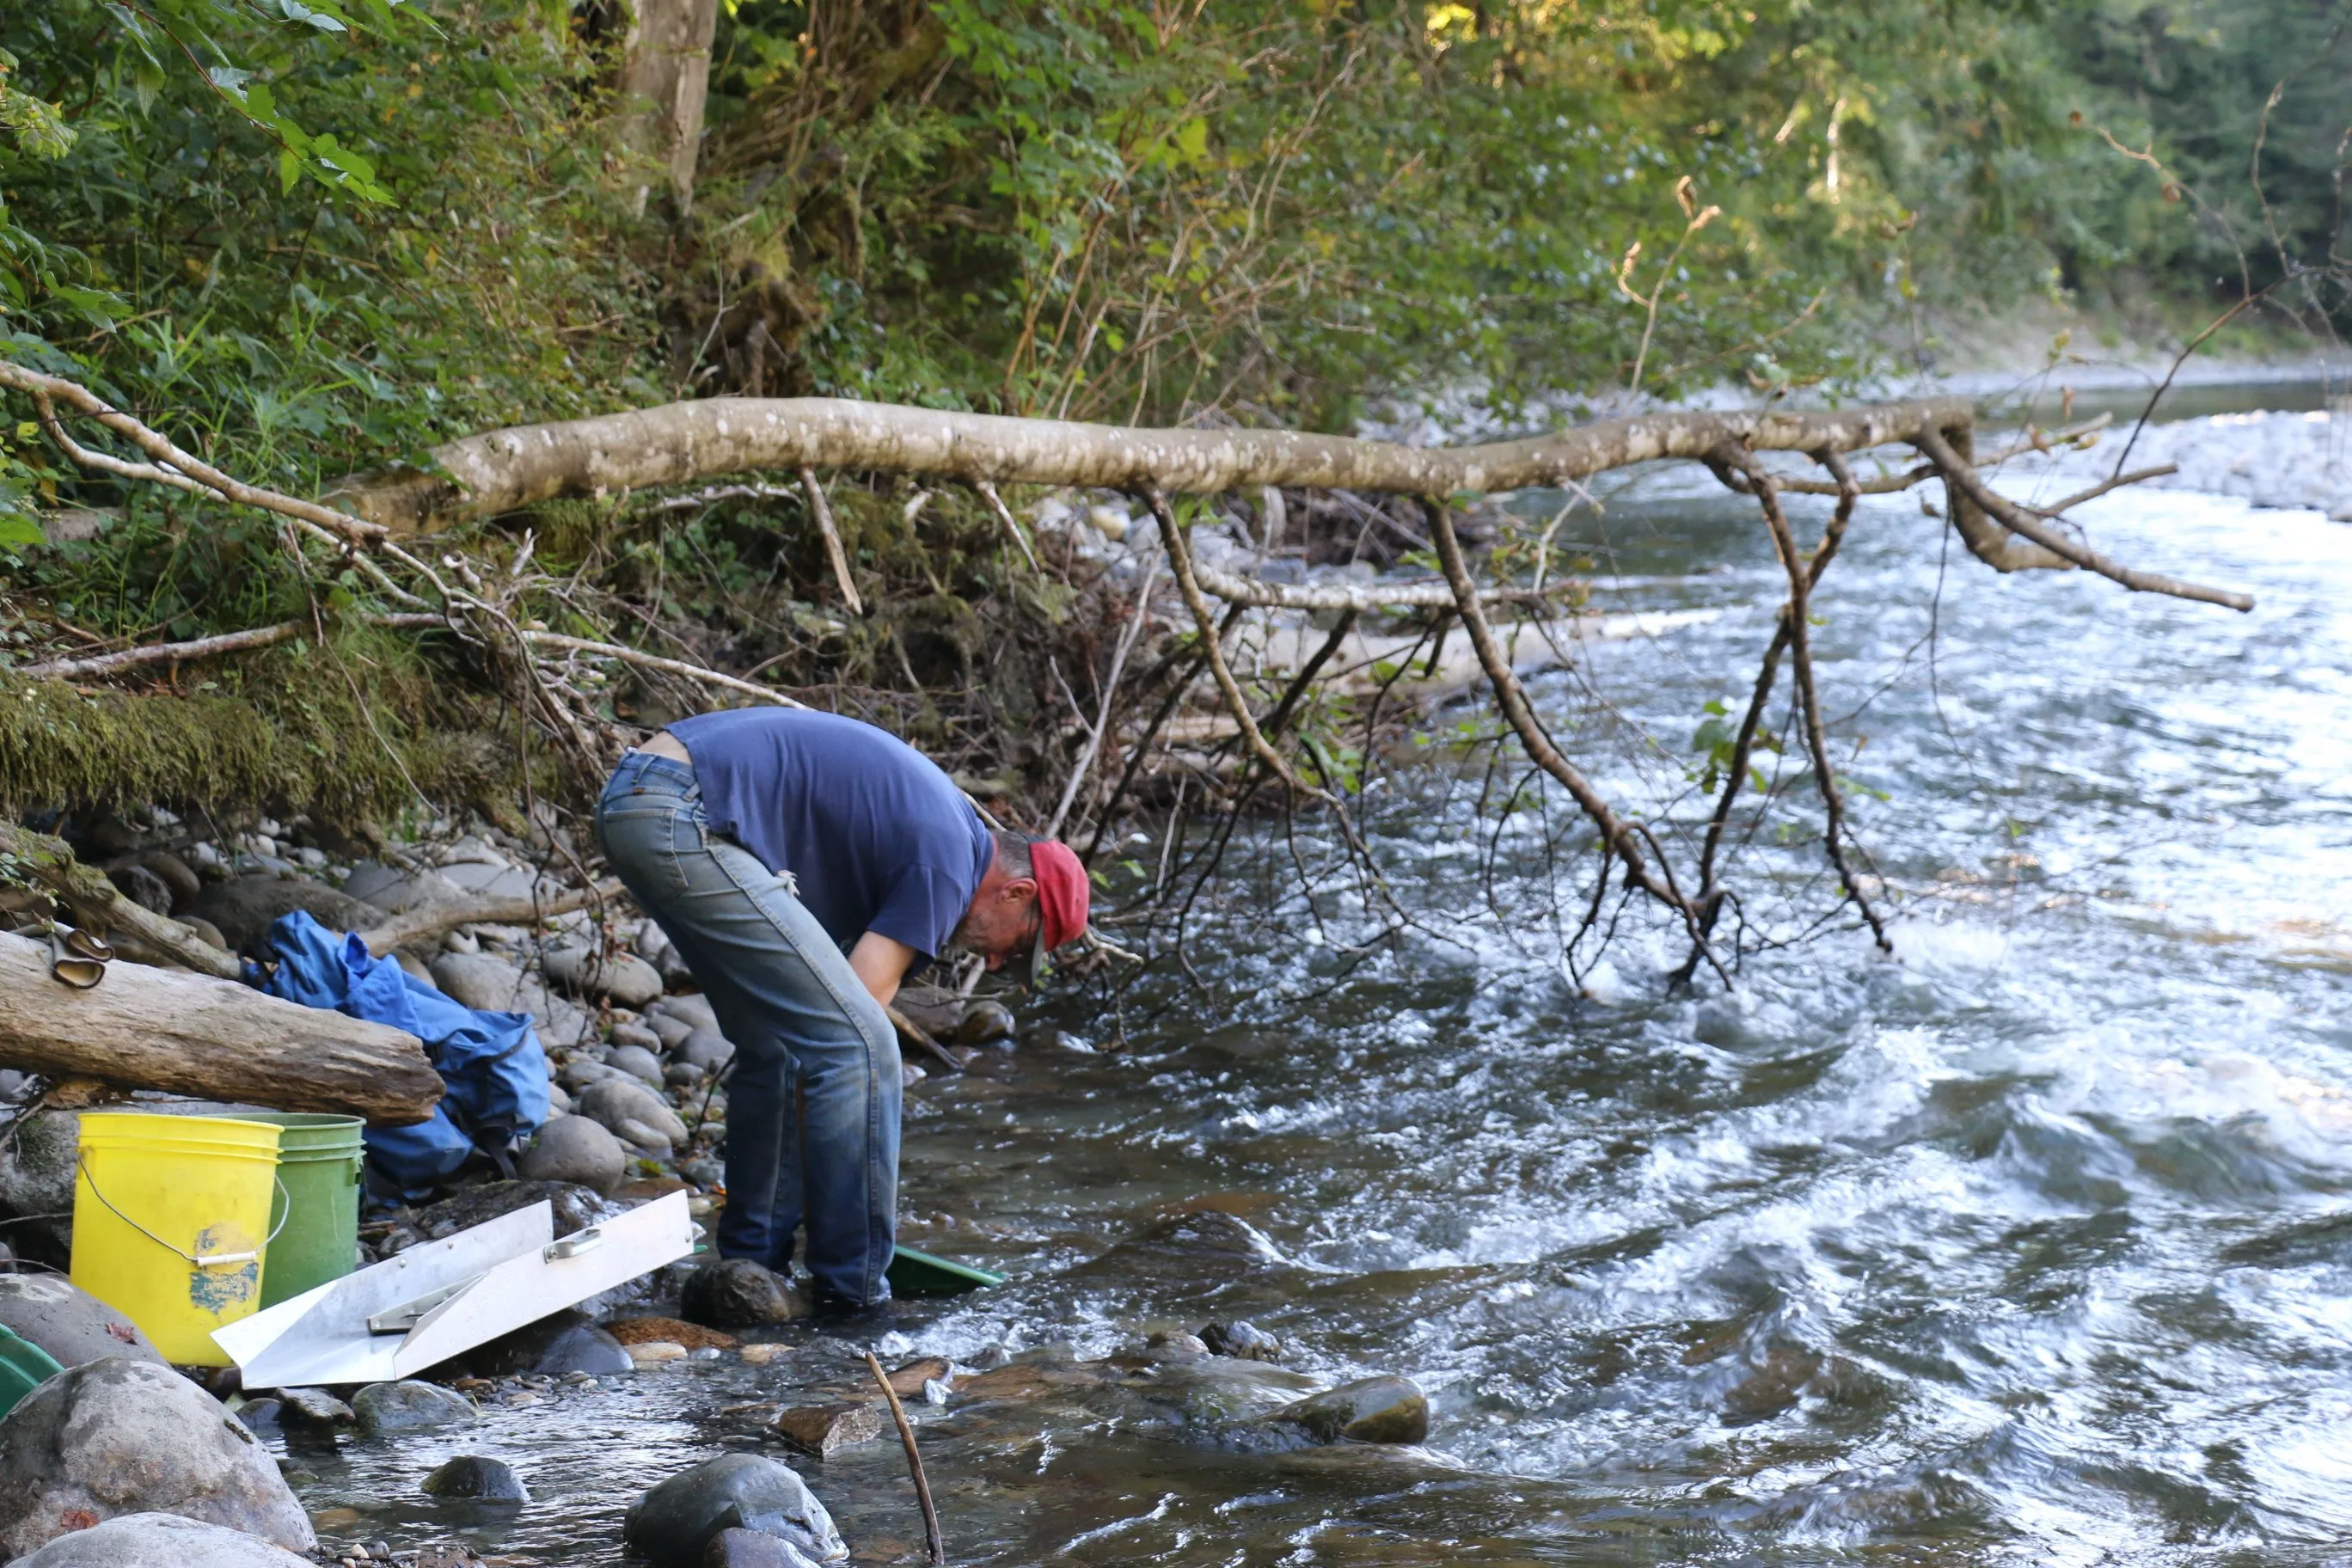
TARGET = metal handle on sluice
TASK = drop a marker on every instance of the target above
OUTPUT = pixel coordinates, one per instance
(205, 1260)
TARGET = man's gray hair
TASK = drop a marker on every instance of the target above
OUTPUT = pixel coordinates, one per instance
(1012, 852)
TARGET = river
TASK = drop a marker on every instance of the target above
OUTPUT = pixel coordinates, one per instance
(2033, 1245)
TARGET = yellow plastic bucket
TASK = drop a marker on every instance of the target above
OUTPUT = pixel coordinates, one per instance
(170, 1222)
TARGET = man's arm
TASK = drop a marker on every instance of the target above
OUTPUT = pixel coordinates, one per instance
(881, 963)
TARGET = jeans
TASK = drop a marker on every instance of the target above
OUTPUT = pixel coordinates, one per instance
(812, 1107)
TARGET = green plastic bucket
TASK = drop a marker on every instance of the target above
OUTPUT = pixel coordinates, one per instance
(318, 1219)
(24, 1367)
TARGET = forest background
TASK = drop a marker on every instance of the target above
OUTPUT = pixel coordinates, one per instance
(318, 238)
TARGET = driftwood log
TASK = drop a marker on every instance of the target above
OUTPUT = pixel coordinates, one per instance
(145, 1027)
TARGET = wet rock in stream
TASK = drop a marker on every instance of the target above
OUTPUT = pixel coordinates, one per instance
(676, 1521)
(751, 1548)
(472, 1477)
(820, 1429)
(737, 1293)
(120, 1436)
(575, 1207)
(409, 1406)
(1241, 1339)
(1370, 1410)
(161, 1541)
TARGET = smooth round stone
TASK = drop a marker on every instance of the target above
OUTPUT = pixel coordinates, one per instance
(482, 1479)
(737, 1293)
(1370, 1410)
(409, 1406)
(637, 1062)
(676, 1521)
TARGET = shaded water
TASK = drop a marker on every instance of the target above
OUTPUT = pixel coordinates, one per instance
(2033, 1247)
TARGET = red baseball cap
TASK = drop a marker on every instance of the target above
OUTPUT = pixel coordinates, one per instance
(1063, 898)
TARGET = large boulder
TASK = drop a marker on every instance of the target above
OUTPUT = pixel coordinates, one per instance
(623, 978)
(633, 1113)
(244, 909)
(675, 1522)
(120, 1436)
(68, 1322)
(576, 1150)
(738, 1293)
(160, 1541)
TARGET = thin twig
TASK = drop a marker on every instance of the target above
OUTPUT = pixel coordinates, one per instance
(937, 1547)
(823, 511)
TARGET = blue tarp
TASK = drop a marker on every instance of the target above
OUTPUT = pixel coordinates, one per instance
(491, 1062)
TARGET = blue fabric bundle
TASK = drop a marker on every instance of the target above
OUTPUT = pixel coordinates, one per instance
(491, 1062)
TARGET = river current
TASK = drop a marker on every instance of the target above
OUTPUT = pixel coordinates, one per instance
(2031, 1245)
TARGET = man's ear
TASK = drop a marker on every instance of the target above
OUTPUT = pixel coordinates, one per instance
(1020, 890)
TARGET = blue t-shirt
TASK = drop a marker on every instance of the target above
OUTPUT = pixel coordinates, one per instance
(874, 835)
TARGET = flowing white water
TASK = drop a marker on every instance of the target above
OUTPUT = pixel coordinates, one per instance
(2032, 1246)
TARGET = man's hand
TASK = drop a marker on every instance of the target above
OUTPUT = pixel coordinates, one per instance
(881, 963)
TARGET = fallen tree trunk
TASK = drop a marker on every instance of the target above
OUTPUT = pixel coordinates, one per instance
(159, 1028)
(682, 443)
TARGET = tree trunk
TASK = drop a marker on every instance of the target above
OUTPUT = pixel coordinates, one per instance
(665, 76)
(168, 1029)
(681, 443)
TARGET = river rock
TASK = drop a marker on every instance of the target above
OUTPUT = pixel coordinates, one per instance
(693, 1009)
(206, 932)
(618, 1102)
(36, 1184)
(638, 1063)
(622, 978)
(706, 1049)
(397, 893)
(982, 1022)
(671, 1031)
(245, 908)
(68, 1322)
(160, 1541)
(477, 980)
(582, 1071)
(575, 1150)
(586, 1349)
(409, 1405)
(738, 1293)
(575, 1207)
(142, 888)
(120, 1436)
(628, 1034)
(175, 874)
(313, 1408)
(1241, 1339)
(822, 1429)
(483, 1480)
(675, 1522)
(733, 1547)
(1370, 1410)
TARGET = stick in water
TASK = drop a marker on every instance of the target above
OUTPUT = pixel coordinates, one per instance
(914, 1462)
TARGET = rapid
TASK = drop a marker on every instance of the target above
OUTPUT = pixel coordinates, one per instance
(2032, 1244)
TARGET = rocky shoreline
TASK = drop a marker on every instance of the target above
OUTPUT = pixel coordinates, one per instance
(122, 1459)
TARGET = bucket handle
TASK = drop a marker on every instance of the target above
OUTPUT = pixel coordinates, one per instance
(204, 1261)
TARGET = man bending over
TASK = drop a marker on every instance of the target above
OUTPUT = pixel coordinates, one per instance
(803, 863)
